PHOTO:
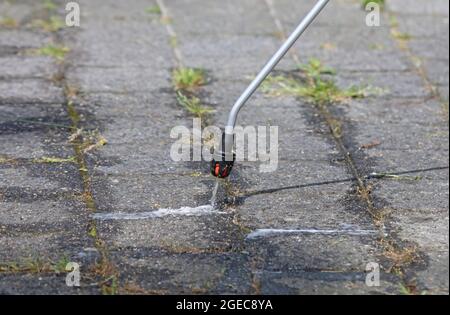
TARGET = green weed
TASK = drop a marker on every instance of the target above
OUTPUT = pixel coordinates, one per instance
(52, 160)
(53, 24)
(188, 78)
(381, 3)
(193, 105)
(153, 10)
(57, 52)
(313, 85)
(8, 22)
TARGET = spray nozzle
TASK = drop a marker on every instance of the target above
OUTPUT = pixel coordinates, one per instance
(223, 158)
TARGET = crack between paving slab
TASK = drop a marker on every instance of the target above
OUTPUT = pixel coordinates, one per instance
(104, 269)
(387, 242)
(166, 20)
(434, 94)
(415, 60)
(280, 27)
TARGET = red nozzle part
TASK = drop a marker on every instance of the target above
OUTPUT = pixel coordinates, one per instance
(220, 166)
(221, 169)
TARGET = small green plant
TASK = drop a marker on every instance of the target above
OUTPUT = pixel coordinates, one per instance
(51, 160)
(394, 176)
(381, 3)
(8, 22)
(153, 10)
(400, 36)
(57, 52)
(110, 286)
(193, 105)
(60, 265)
(92, 232)
(445, 109)
(90, 140)
(324, 91)
(5, 159)
(376, 46)
(393, 21)
(188, 78)
(49, 5)
(173, 41)
(313, 85)
(36, 265)
(9, 267)
(315, 69)
(53, 24)
(404, 290)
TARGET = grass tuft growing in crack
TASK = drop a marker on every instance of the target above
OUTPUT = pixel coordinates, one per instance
(193, 105)
(394, 176)
(400, 35)
(81, 142)
(52, 24)
(153, 10)
(90, 140)
(8, 22)
(400, 256)
(188, 78)
(55, 160)
(445, 110)
(314, 69)
(56, 51)
(381, 3)
(35, 265)
(49, 5)
(315, 83)
(6, 160)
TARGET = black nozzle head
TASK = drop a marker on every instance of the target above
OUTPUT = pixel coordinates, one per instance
(222, 162)
(220, 167)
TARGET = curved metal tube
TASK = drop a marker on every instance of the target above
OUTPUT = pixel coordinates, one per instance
(262, 75)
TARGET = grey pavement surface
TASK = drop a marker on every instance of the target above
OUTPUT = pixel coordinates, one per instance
(88, 135)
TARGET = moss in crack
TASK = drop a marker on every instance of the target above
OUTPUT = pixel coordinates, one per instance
(82, 143)
(173, 41)
(104, 268)
(153, 10)
(51, 25)
(445, 110)
(56, 51)
(232, 193)
(8, 22)
(109, 284)
(49, 5)
(36, 265)
(29, 265)
(395, 177)
(7, 160)
(54, 160)
(364, 3)
(400, 257)
(402, 40)
(401, 36)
